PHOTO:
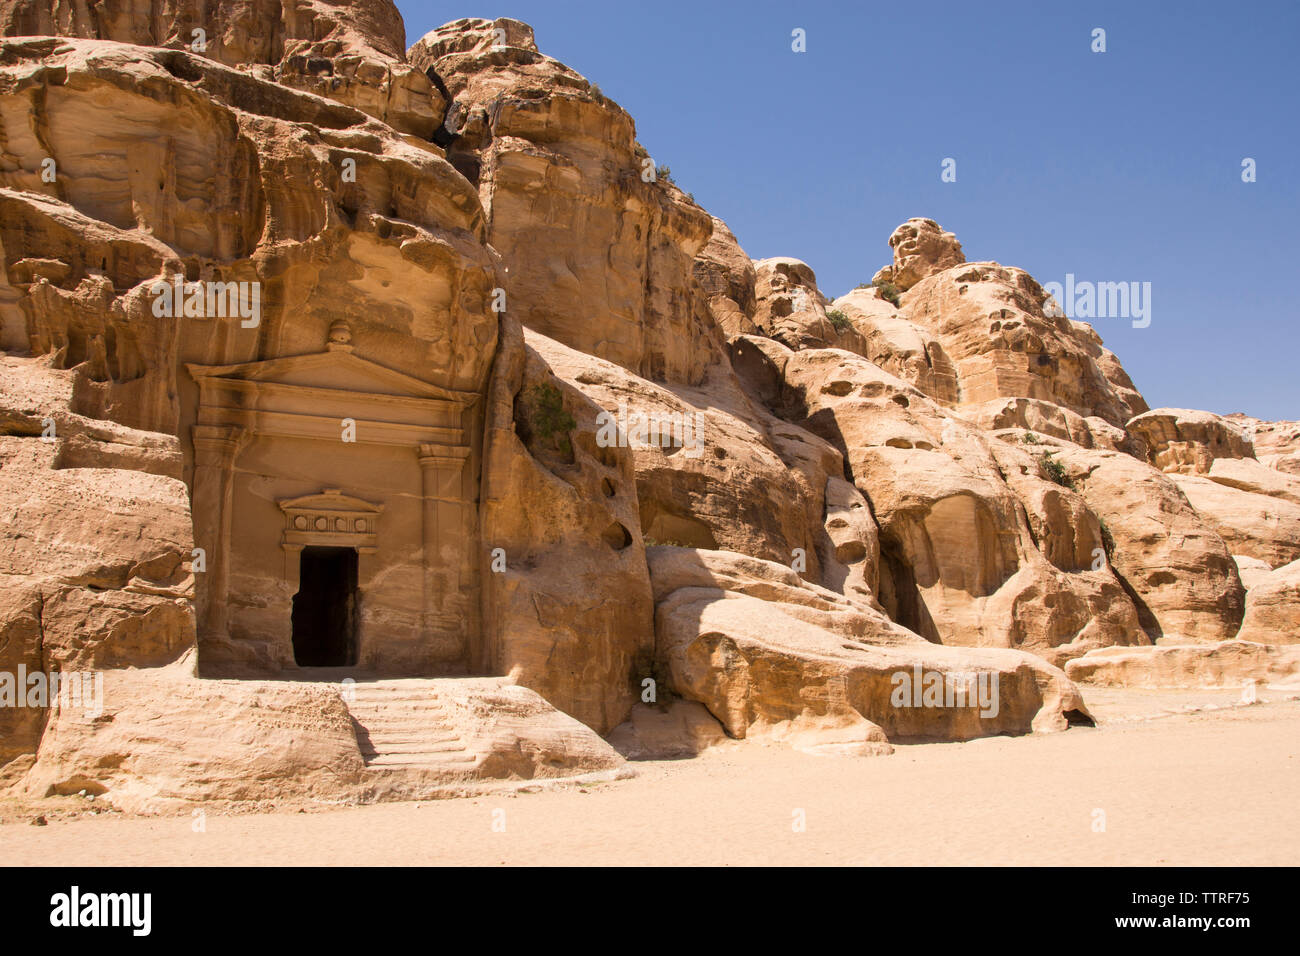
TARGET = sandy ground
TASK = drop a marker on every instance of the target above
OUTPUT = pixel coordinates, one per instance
(1212, 787)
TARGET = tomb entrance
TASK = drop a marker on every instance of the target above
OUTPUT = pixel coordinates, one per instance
(324, 609)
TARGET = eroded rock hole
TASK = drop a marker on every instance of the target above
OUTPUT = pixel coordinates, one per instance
(180, 67)
(617, 536)
(1077, 718)
(899, 594)
(467, 164)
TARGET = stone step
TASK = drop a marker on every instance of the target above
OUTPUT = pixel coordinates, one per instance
(390, 703)
(389, 713)
(415, 746)
(420, 728)
(405, 728)
(385, 703)
(413, 722)
(394, 724)
(420, 761)
(413, 719)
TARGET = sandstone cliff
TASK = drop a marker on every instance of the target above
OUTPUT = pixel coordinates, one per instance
(563, 453)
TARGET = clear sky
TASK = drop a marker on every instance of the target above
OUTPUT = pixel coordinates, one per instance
(1117, 166)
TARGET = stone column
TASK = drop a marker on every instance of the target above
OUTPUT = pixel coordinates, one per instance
(215, 448)
(441, 467)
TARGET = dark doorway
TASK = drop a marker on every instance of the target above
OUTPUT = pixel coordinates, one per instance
(324, 609)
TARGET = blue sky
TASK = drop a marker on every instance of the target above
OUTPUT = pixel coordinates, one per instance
(1116, 166)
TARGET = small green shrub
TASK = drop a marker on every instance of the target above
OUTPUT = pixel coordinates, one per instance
(641, 152)
(595, 91)
(664, 173)
(550, 422)
(888, 291)
(838, 319)
(1029, 438)
(863, 285)
(1054, 470)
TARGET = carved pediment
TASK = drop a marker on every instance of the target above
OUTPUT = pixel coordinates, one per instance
(330, 519)
(316, 396)
(334, 370)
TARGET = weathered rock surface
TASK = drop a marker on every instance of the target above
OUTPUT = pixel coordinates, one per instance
(600, 259)
(883, 335)
(1254, 508)
(728, 278)
(163, 740)
(789, 307)
(771, 655)
(683, 728)
(1255, 525)
(95, 544)
(921, 248)
(1023, 419)
(1182, 441)
(1273, 607)
(1251, 570)
(253, 169)
(991, 325)
(707, 474)
(346, 51)
(1169, 666)
(977, 547)
(1247, 474)
(1277, 444)
(1178, 570)
(567, 596)
(968, 334)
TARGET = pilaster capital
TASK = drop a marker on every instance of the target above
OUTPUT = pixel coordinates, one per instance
(219, 441)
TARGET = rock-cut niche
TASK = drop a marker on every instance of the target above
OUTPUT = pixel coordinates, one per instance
(333, 498)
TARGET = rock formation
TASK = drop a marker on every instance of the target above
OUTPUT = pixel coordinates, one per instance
(599, 252)
(1276, 444)
(921, 248)
(1272, 604)
(350, 52)
(375, 422)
